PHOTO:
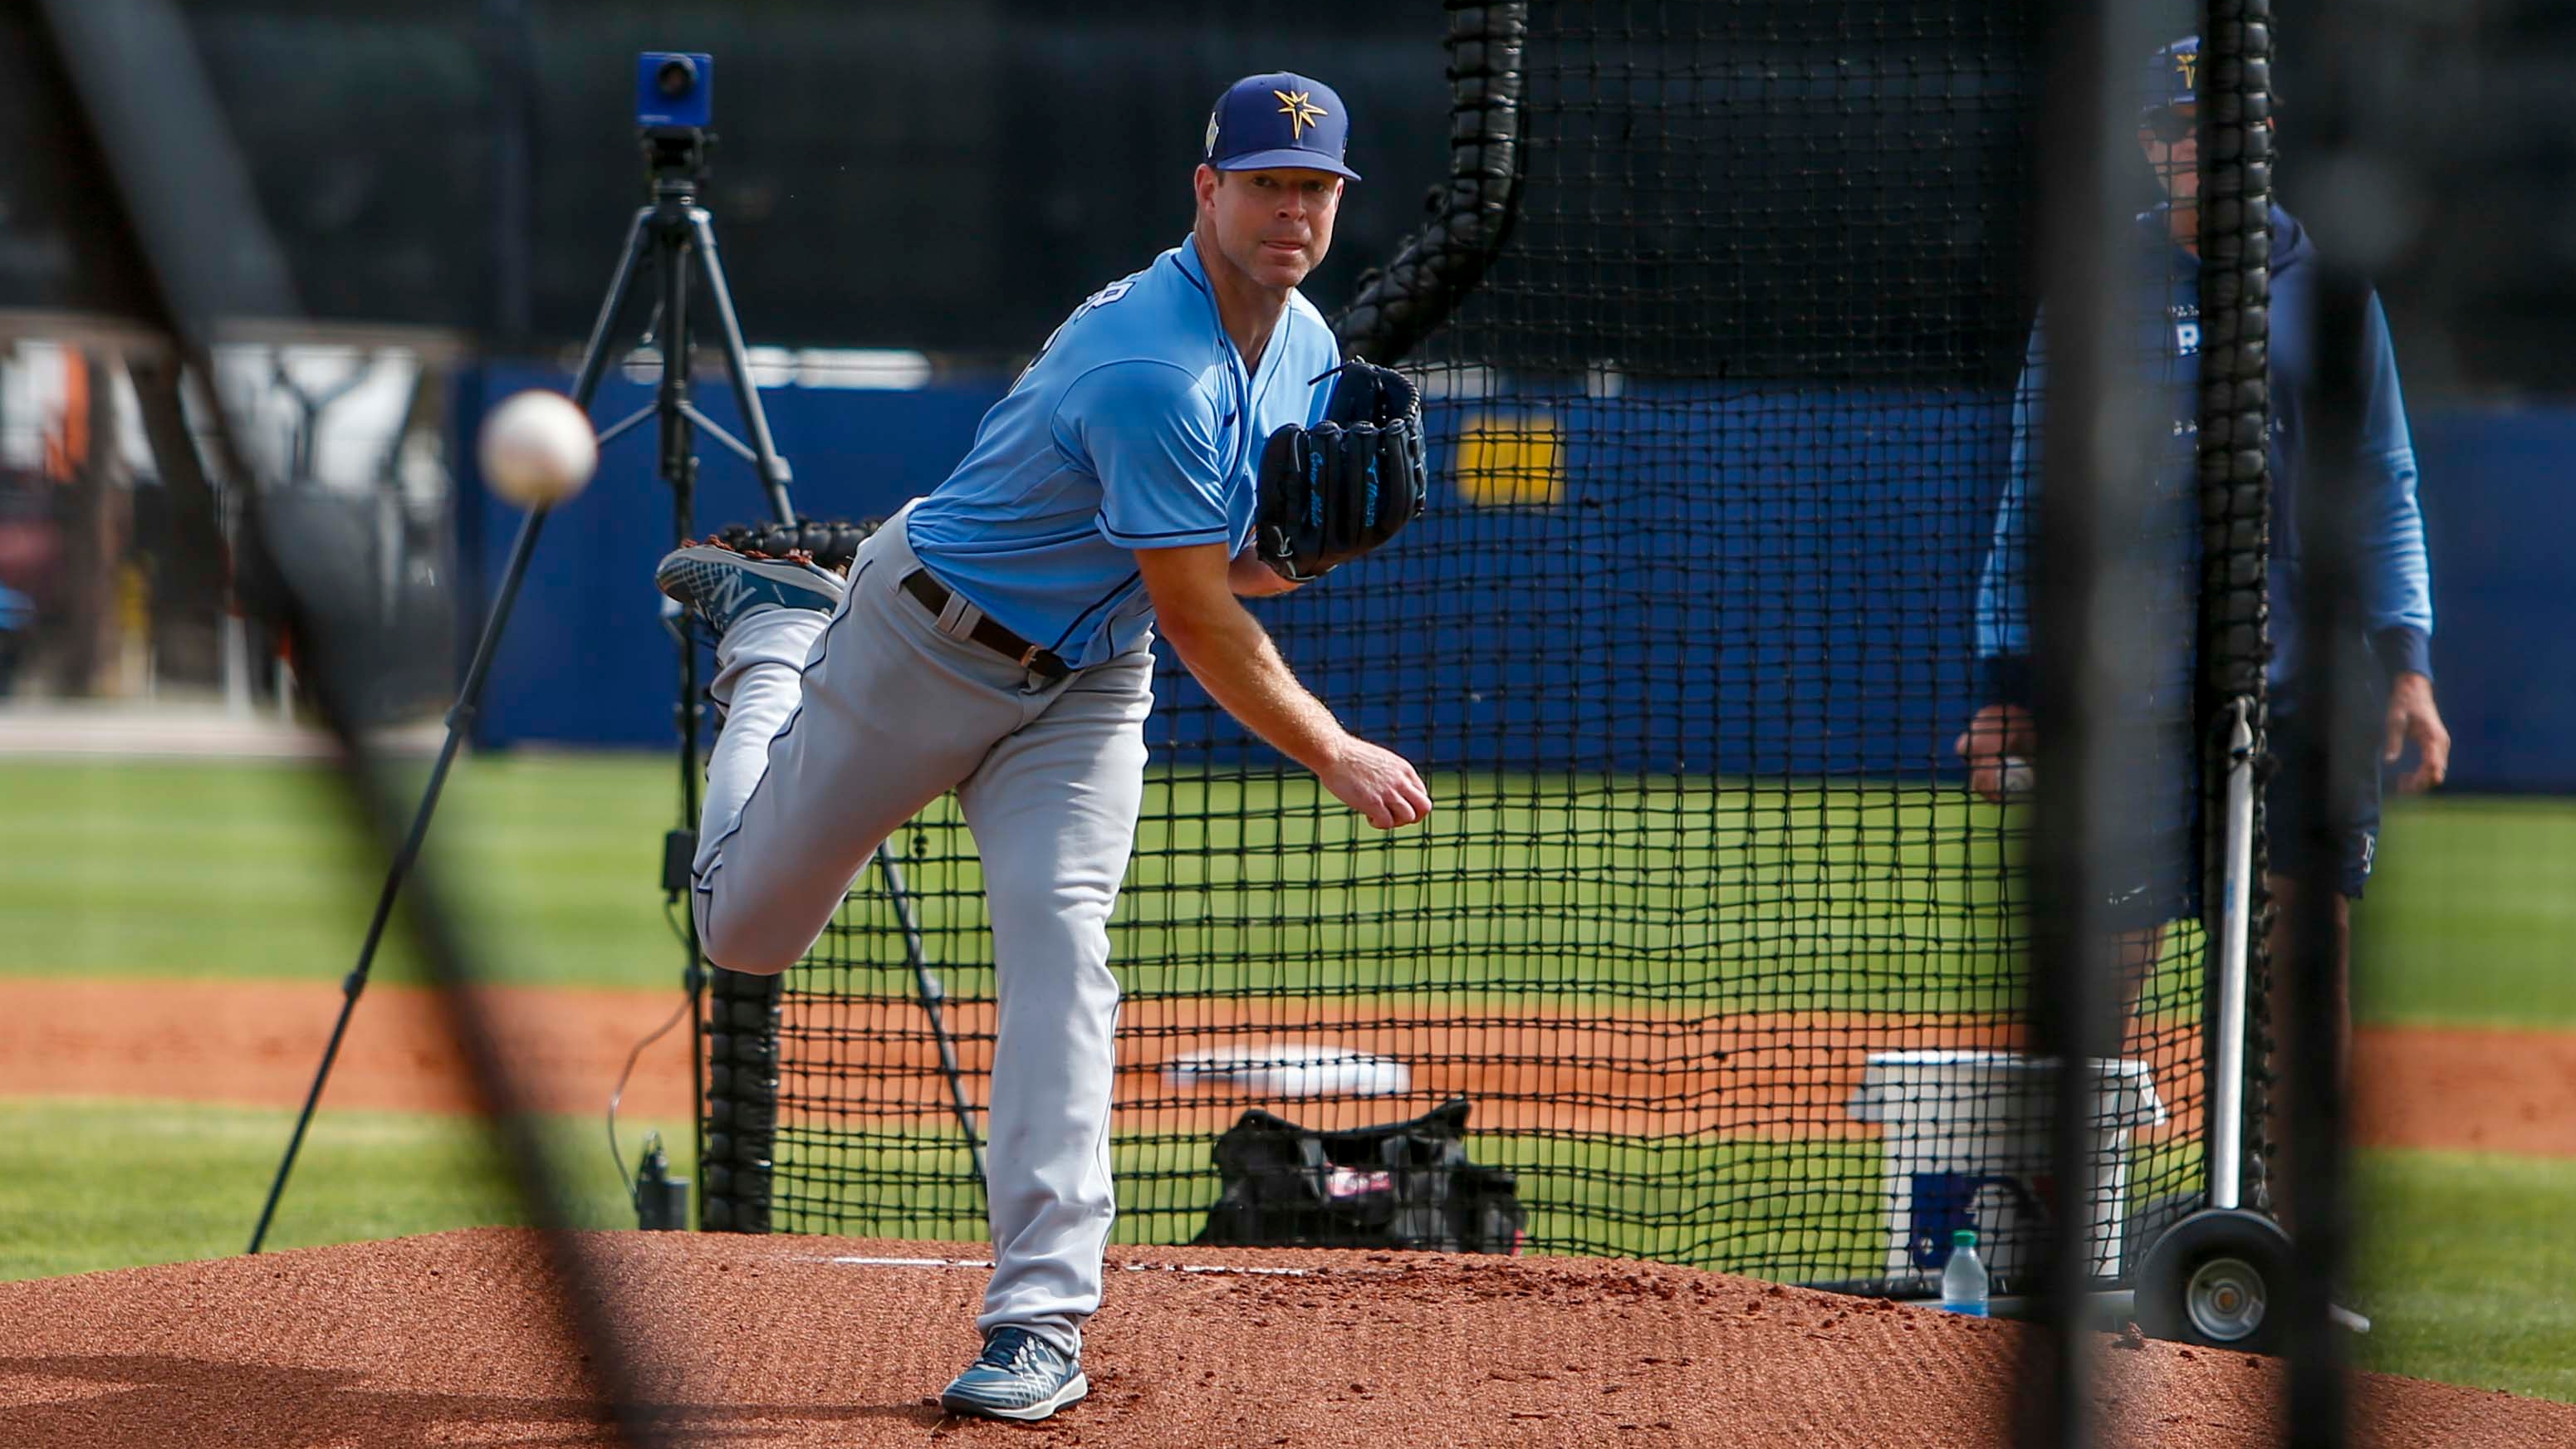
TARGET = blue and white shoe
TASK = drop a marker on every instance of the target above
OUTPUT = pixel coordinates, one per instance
(719, 585)
(1018, 1376)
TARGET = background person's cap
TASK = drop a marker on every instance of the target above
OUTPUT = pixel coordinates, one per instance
(1279, 120)
(2172, 76)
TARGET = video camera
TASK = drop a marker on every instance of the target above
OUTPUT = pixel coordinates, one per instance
(675, 95)
(674, 90)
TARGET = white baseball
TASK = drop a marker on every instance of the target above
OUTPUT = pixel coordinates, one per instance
(537, 449)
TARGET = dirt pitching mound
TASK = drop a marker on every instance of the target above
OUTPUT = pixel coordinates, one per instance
(453, 1340)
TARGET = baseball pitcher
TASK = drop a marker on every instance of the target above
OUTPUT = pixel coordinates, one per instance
(1189, 435)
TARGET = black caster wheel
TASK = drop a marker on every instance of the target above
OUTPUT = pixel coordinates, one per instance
(2148, 1225)
(2217, 1278)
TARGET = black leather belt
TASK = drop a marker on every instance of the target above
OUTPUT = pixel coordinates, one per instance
(934, 596)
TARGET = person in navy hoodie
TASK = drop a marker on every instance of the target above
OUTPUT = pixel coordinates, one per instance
(2396, 577)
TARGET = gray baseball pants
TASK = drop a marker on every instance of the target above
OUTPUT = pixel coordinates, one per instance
(838, 731)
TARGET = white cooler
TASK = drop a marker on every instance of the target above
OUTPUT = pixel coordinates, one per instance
(1967, 1147)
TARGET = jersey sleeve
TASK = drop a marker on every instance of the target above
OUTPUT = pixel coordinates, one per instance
(1324, 366)
(1148, 431)
(2396, 573)
(2003, 615)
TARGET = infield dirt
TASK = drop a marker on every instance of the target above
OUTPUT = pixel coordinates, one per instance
(453, 1339)
(1756, 1075)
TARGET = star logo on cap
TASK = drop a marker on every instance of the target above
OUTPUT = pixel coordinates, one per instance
(1300, 112)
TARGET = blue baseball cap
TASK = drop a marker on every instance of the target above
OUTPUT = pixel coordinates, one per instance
(2172, 76)
(1279, 119)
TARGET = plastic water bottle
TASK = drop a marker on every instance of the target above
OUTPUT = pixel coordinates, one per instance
(1963, 1281)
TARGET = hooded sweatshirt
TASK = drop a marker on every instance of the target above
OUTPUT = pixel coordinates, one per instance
(2396, 577)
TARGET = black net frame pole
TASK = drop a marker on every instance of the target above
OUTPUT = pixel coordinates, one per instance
(679, 848)
(2235, 644)
(2309, 1016)
(2337, 683)
(2086, 652)
(1398, 304)
(143, 105)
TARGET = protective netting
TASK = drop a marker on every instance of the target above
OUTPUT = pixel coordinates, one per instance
(1707, 927)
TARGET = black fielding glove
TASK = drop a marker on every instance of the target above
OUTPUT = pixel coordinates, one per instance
(1341, 488)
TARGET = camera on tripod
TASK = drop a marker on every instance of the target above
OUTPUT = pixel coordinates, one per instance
(674, 90)
(675, 99)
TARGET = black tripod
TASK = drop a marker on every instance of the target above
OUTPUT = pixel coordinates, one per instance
(670, 231)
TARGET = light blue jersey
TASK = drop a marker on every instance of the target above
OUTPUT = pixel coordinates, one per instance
(1137, 427)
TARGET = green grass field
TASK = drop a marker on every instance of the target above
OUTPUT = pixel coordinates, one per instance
(2462, 1264)
(251, 870)
(1543, 888)
(2471, 918)
(193, 870)
(1674, 892)
(110, 1184)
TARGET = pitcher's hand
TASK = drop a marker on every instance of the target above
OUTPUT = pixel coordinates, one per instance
(1378, 783)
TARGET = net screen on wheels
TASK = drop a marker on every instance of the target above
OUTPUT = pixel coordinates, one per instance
(1709, 929)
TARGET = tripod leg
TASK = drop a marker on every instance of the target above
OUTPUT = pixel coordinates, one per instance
(773, 469)
(459, 719)
(594, 354)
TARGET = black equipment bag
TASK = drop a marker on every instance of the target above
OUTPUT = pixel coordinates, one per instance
(1402, 1185)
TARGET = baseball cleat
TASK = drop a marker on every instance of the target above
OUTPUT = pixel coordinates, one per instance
(720, 584)
(1018, 1376)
